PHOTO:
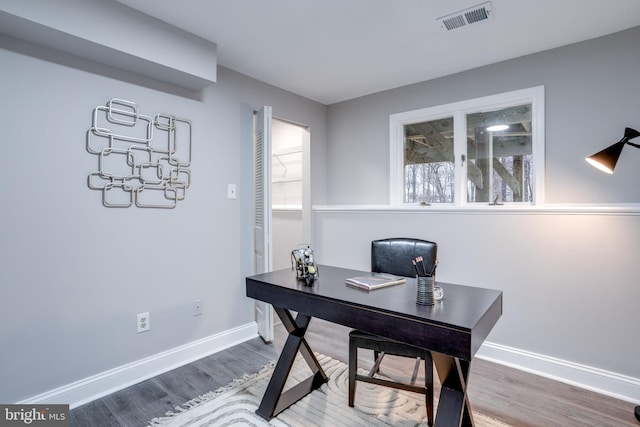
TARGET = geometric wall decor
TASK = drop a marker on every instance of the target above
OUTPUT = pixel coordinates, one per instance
(142, 161)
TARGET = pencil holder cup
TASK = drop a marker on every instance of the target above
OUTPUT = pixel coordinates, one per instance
(425, 285)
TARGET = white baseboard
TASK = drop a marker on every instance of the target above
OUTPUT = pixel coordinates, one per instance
(99, 385)
(598, 380)
(83, 391)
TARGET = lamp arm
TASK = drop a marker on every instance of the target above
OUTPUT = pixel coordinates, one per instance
(634, 145)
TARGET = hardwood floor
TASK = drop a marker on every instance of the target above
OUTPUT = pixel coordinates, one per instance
(510, 395)
(136, 405)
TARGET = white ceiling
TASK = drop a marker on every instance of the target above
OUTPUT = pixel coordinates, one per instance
(335, 50)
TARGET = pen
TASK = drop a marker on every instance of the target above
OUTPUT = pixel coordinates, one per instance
(420, 267)
(433, 270)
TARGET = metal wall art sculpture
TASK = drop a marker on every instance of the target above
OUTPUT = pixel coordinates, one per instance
(142, 161)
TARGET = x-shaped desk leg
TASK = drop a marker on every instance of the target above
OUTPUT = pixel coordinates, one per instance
(274, 400)
(453, 406)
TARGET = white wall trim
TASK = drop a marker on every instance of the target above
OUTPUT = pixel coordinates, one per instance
(597, 380)
(507, 209)
(99, 385)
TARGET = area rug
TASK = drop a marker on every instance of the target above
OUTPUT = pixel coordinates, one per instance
(235, 404)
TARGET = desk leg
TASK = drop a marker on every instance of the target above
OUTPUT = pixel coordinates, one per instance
(274, 400)
(454, 408)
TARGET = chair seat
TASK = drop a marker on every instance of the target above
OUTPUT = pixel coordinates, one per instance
(389, 346)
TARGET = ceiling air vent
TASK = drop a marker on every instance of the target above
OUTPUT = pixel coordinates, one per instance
(474, 14)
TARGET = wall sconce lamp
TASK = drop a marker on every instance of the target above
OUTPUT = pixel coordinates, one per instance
(606, 159)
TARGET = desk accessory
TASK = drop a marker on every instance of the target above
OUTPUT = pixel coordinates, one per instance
(375, 281)
(427, 292)
(303, 261)
(438, 293)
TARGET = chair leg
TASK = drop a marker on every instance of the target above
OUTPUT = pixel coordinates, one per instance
(378, 356)
(353, 368)
(428, 380)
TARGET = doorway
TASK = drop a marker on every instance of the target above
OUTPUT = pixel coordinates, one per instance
(288, 179)
(281, 167)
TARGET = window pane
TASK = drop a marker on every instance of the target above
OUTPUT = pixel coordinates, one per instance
(500, 166)
(428, 162)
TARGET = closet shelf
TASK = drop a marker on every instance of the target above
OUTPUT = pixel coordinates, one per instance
(291, 150)
(286, 179)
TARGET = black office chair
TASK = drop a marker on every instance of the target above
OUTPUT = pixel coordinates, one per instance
(394, 256)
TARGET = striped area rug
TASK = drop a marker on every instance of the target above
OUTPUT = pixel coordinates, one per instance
(235, 404)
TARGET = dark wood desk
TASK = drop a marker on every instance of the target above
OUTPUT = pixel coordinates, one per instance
(452, 329)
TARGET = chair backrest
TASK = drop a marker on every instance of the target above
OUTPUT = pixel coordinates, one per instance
(394, 255)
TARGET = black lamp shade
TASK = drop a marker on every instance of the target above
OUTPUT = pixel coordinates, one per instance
(606, 159)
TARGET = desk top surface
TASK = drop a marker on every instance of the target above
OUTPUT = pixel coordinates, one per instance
(462, 308)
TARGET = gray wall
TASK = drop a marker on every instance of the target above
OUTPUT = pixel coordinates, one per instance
(74, 273)
(569, 280)
(569, 274)
(591, 94)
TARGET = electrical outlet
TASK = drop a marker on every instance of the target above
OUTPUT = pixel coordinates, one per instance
(144, 323)
(197, 307)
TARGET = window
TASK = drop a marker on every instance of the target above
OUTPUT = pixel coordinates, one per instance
(486, 150)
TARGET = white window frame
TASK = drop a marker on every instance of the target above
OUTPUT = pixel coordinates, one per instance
(459, 111)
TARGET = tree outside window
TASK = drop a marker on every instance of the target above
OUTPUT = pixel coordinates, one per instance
(483, 151)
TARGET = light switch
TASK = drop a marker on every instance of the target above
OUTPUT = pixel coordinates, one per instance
(231, 191)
